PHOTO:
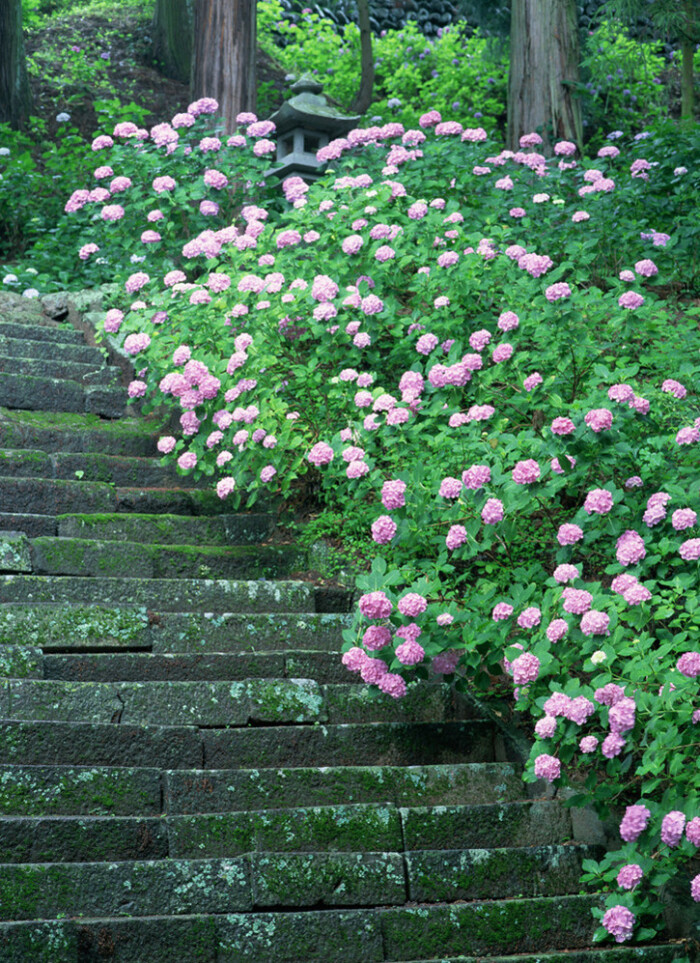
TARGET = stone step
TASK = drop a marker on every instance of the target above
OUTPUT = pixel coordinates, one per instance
(39, 742)
(55, 394)
(85, 374)
(238, 703)
(121, 470)
(79, 791)
(207, 666)
(241, 529)
(33, 526)
(91, 557)
(337, 935)
(63, 627)
(94, 744)
(374, 827)
(53, 431)
(40, 332)
(50, 351)
(184, 594)
(350, 744)
(240, 790)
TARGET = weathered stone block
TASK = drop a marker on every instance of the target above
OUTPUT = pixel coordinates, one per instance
(14, 552)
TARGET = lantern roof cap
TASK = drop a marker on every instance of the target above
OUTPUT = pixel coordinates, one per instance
(309, 108)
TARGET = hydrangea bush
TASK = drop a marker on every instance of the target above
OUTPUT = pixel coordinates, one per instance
(468, 344)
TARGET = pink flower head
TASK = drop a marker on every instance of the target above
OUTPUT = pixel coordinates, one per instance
(634, 822)
(393, 685)
(630, 548)
(501, 352)
(588, 744)
(508, 321)
(410, 652)
(529, 617)
(456, 536)
(689, 664)
(393, 494)
(569, 534)
(692, 830)
(630, 300)
(563, 426)
(557, 629)
(492, 512)
(683, 518)
(595, 623)
(688, 436)
(375, 605)
(598, 501)
(576, 601)
(619, 922)
(383, 529)
(412, 604)
(622, 715)
(526, 472)
(674, 388)
(476, 477)
(672, 827)
(599, 419)
(532, 381)
(546, 727)
(547, 767)
(450, 487)
(525, 668)
(558, 291)
(320, 454)
(502, 610)
(376, 637)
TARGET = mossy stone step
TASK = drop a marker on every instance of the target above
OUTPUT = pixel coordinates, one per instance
(184, 594)
(74, 791)
(241, 529)
(46, 742)
(85, 374)
(365, 743)
(167, 703)
(444, 876)
(21, 662)
(87, 744)
(92, 557)
(53, 839)
(40, 332)
(139, 888)
(237, 703)
(49, 351)
(606, 954)
(536, 822)
(57, 394)
(74, 627)
(206, 666)
(34, 526)
(122, 470)
(65, 431)
(202, 791)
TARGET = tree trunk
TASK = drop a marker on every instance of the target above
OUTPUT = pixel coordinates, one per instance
(224, 55)
(173, 27)
(544, 59)
(687, 52)
(15, 97)
(364, 95)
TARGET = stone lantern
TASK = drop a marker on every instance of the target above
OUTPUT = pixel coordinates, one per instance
(304, 124)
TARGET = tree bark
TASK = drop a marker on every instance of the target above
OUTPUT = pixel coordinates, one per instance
(364, 95)
(544, 60)
(15, 96)
(173, 27)
(224, 55)
(687, 53)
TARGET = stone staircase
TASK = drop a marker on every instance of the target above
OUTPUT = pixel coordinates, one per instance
(187, 772)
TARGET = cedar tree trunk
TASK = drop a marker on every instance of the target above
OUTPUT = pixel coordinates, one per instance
(15, 97)
(544, 59)
(364, 96)
(224, 55)
(173, 28)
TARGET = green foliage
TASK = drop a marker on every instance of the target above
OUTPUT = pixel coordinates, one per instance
(623, 82)
(458, 73)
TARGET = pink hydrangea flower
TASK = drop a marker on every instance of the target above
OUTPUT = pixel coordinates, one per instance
(547, 767)
(456, 536)
(689, 664)
(599, 419)
(320, 454)
(619, 922)
(393, 685)
(393, 494)
(532, 381)
(690, 550)
(546, 727)
(598, 501)
(529, 617)
(688, 436)
(558, 291)
(683, 518)
(502, 610)
(526, 472)
(595, 623)
(692, 830)
(383, 529)
(412, 604)
(672, 827)
(634, 822)
(569, 534)
(525, 668)
(410, 652)
(501, 352)
(492, 512)
(557, 629)
(375, 605)
(565, 573)
(630, 300)
(450, 487)
(588, 744)
(508, 321)
(576, 601)
(476, 477)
